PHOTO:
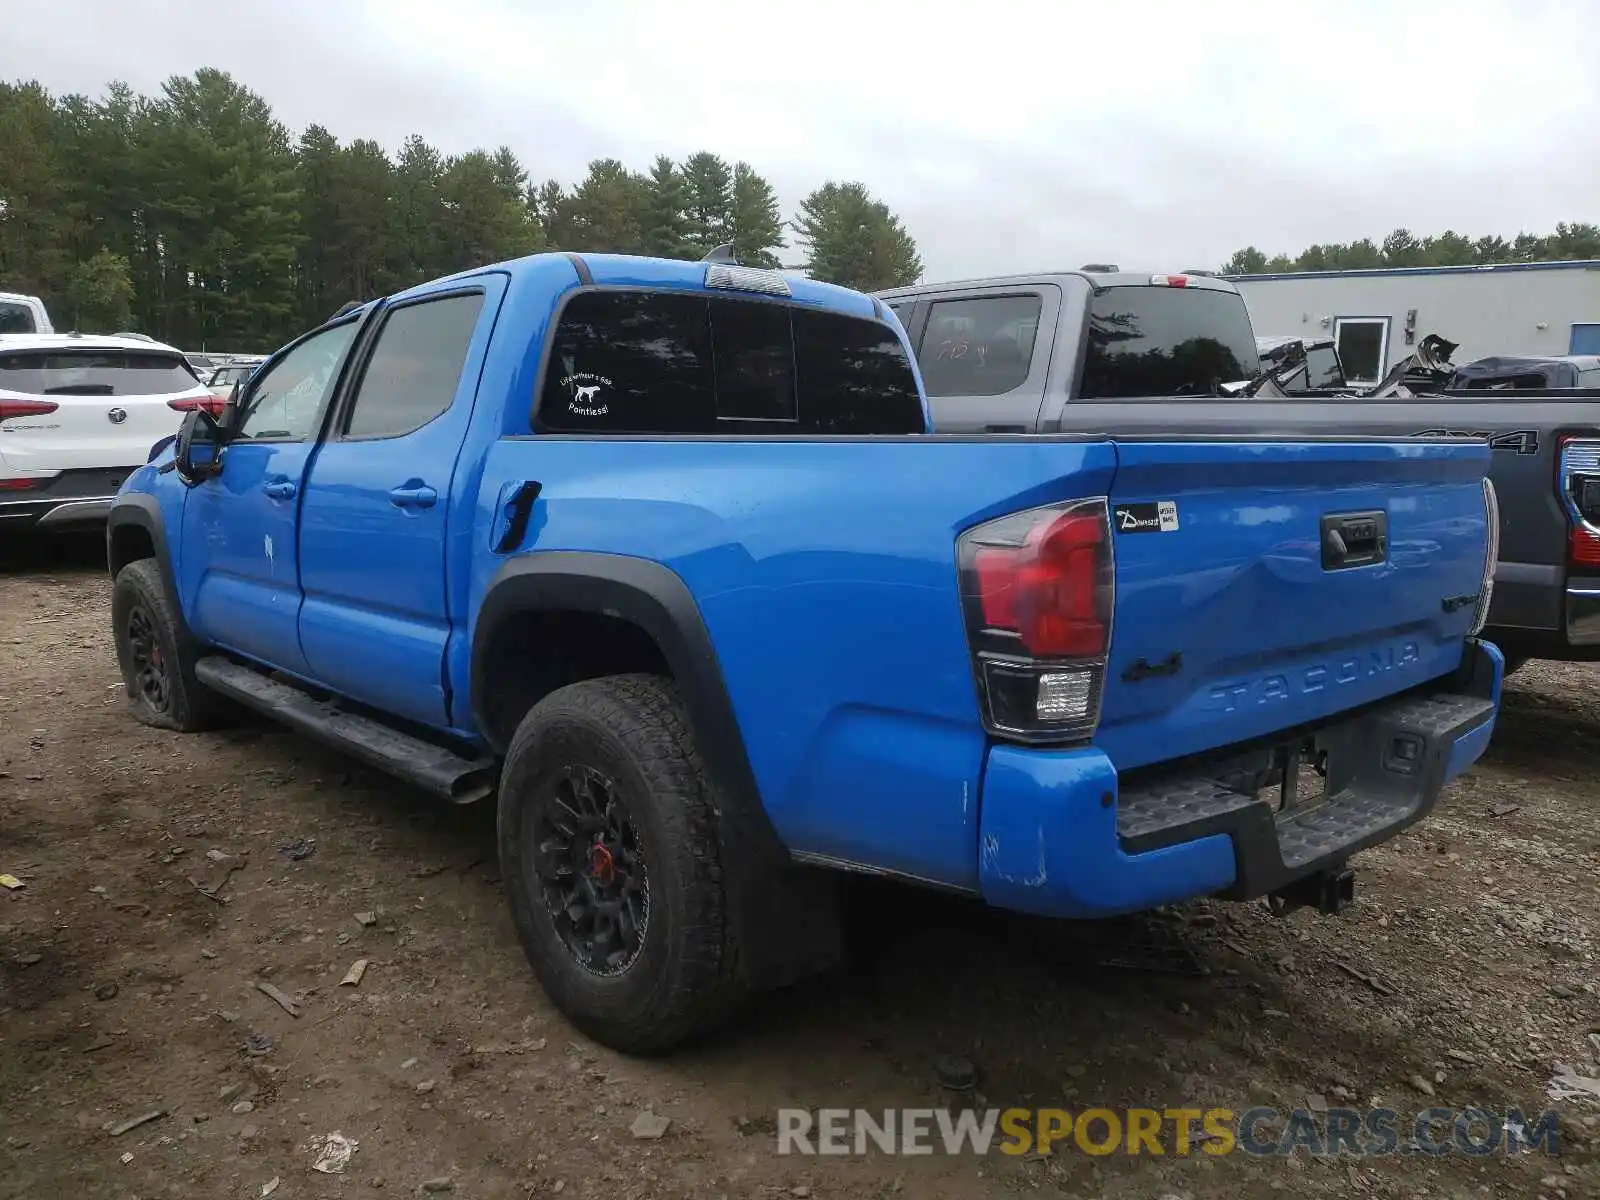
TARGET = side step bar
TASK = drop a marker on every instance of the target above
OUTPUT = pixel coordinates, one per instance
(432, 768)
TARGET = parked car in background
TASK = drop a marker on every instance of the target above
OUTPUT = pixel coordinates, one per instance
(222, 380)
(23, 314)
(662, 556)
(1528, 374)
(77, 414)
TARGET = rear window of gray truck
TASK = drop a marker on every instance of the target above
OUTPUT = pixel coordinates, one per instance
(1164, 341)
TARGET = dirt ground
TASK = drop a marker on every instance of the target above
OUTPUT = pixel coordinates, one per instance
(165, 876)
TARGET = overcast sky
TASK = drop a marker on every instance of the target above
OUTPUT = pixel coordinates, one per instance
(1007, 135)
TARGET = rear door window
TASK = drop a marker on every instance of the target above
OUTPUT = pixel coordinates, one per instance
(979, 347)
(1162, 341)
(90, 372)
(415, 368)
(686, 363)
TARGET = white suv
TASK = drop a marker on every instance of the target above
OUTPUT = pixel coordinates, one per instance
(77, 414)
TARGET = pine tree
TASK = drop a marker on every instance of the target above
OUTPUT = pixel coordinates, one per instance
(854, 240)
(100, 293)
(415, 248)
(607, 209)
(709, 182)
(1248, 261)
(665, 225)
(757, 225)
(317, 162)
(550, 209)
(225, 212)
(35, 225)
(485, 219)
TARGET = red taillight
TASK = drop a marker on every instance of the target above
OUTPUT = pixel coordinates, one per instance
(25, 408)
(1037, 592)
(1046, 590)
(1169, 280)
(1583, 547)
(15, 485)
(1578, 488)
(212, 404)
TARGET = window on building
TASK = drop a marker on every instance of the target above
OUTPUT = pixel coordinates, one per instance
(1363, 344)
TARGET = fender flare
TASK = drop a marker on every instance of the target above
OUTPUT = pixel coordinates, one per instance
(144, 511)
(785, 921)
(649, 596)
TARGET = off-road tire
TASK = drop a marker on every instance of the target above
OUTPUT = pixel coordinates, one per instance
(187, 705)
(682, 980)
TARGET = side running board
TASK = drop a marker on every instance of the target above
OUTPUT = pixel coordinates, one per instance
(432, 768)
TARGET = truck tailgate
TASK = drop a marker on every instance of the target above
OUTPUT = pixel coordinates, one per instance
(1263, 585)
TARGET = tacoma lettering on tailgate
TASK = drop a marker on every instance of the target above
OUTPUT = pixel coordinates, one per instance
(1317, 677)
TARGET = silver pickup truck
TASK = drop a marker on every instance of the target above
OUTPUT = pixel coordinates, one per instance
(1128, 353)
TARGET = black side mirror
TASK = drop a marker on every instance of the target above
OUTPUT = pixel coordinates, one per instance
(197, 454)
(230, 408)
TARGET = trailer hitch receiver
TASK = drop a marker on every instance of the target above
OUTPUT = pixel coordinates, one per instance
(1329, 892)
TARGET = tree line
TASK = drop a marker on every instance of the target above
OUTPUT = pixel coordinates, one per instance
(1402, 248)
(195, 216)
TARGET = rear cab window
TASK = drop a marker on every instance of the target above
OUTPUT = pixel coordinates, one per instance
(625, 361)
(17, 318)
(1163, 341)
(89, 372)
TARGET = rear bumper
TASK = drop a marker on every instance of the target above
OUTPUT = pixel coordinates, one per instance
(30, 514)
(1583, 614)
(80, 496)
(1541, 612)
(1061, 838)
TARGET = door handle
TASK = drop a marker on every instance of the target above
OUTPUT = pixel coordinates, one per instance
(413, 494)
(280, 489)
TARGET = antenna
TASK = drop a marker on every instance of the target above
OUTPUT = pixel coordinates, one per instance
(722, 254)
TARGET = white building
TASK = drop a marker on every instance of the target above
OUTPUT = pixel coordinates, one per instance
(1376, 317)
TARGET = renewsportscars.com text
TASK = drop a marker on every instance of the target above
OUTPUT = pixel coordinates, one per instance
(1172, 1132)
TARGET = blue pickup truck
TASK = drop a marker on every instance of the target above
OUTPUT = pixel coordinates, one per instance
(663, 557)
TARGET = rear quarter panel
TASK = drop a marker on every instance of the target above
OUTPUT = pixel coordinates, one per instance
(826, 575)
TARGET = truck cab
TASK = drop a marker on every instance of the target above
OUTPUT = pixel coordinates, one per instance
(1010, 354)
(23, 314)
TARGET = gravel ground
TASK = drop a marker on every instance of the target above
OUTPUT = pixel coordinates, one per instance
(167, 876)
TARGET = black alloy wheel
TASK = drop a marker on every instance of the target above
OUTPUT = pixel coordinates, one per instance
(148, 662)
(589, 861)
